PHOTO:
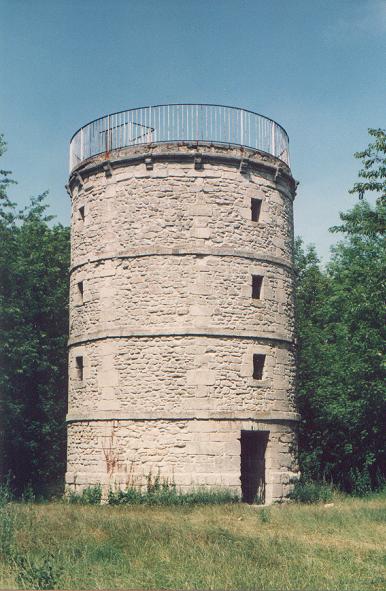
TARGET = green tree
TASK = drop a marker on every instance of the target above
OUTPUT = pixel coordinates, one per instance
(34, 263)
(368, 220)
(312, 290)
(373, 173)
(340, 311)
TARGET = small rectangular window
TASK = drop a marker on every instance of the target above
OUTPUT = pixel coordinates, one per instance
(80, 292)
(257, 282)
(79, 367)
(255, 209)
(81, 213)
(258, 366)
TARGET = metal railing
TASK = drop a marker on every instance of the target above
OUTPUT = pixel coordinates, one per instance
(215, 124)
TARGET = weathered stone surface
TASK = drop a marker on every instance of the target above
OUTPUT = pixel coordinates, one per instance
(166, 326)
(191, 453)
(169, 290)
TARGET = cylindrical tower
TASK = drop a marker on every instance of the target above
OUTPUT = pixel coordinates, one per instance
(181, 350)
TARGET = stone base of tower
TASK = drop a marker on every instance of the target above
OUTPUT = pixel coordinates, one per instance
(195, 453)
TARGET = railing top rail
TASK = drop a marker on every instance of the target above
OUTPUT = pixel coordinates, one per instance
(179, 122)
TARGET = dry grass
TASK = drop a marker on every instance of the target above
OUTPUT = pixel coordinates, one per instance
(204, 547)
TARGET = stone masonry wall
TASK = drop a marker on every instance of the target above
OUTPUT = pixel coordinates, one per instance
(176, 206)
(180, 376)
(181, 291)
(164, 323)
(191, 453)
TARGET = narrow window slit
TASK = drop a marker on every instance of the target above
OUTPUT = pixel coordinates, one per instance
(257, 282)
(81, 213)
(79, 367)
(255, 209)
(258, 366)
(80, 291)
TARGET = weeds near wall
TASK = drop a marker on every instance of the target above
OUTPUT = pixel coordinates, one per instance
(158, 492)
(92, 495)
(163, 492)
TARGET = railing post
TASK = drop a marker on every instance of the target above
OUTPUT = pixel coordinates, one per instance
(273, 139)
(81, 143)
(108, 135)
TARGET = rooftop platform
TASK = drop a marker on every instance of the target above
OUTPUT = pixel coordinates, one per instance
(179, 123)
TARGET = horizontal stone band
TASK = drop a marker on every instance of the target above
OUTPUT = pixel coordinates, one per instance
(122, 333)
(180, 416)
(162, 251)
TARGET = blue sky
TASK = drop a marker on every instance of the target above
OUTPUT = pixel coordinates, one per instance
(315, 66)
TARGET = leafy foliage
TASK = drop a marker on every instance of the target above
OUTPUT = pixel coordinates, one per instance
(371, 221)
(374, 165)
(34, 261)
(4, 178)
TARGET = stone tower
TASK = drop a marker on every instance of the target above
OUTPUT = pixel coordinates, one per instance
(181, 349)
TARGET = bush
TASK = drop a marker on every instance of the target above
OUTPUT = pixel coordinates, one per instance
(308, 491)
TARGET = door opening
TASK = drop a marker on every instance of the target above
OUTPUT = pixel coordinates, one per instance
(253, 448)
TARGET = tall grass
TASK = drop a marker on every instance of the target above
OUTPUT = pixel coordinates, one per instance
(231, 546)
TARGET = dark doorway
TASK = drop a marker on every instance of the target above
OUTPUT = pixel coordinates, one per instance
(253, 448)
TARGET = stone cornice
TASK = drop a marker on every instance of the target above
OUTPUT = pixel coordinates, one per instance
(244, 161)
(215, 332)
(192, 251)
(121, 415)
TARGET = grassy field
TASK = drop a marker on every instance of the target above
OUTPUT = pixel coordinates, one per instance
(205, 547)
